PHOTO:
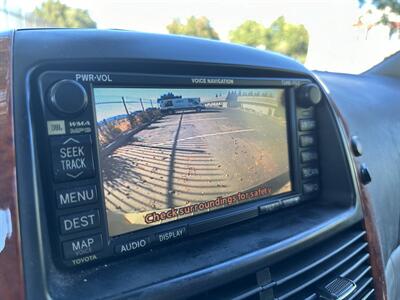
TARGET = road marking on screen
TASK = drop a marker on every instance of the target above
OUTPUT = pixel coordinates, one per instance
(204, 119)
(207, 135)
(191, 120)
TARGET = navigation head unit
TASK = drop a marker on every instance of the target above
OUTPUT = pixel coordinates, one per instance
(141, 160)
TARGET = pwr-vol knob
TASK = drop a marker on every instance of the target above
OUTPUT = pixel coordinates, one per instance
(308, 95)
(68, 97)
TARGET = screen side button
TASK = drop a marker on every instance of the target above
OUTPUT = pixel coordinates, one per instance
(82, 246)
(307, 124)
(309, 172)
(307, 156)
(76, 196)
(311, 187)
(307, 140)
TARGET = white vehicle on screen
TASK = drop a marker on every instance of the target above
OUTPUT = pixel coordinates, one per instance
(170, 104)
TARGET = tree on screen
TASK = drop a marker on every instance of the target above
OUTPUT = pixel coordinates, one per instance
(57, 14)
(281, 36)
(194, 26)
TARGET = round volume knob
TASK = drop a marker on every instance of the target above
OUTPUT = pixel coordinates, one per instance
(68, 97)
(308, 95)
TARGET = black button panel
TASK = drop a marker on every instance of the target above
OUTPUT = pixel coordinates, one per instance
(82, 246)
(76, 196)
(80, 221)
(72, 158)
(69, 160)
(308, 152)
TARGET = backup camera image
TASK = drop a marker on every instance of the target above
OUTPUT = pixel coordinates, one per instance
(168, 153)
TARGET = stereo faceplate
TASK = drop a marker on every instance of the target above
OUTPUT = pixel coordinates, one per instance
(74, 191)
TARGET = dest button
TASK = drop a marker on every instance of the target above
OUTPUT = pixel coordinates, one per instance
(72, 158)
(78, 222)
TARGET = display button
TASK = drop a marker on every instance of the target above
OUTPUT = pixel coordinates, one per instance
(307, 124)
(78, 222)
(291, 201)
(76, 196)
(170, 235)
(133, 245)
(72, 158)
(309, 172)
(307, 140)
(311, 187)
(82, 246)
(307, 156)
(270, 207)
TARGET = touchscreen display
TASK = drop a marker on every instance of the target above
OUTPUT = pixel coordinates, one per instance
(173, 153)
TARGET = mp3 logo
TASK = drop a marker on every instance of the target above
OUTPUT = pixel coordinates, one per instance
(93, 77)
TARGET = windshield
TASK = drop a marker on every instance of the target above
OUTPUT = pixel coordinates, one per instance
(347, 36)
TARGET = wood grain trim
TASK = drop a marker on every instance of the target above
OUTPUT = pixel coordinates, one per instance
(11, 272)
(376, 258)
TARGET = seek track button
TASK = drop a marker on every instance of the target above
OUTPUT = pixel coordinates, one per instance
(72, 158)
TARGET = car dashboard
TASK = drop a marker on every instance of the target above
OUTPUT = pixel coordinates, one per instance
(100, 203)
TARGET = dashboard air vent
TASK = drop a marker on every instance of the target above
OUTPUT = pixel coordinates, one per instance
(302, 275)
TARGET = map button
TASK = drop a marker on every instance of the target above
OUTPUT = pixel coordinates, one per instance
(82, 246)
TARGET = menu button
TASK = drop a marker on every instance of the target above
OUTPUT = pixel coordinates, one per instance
(76, 196)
